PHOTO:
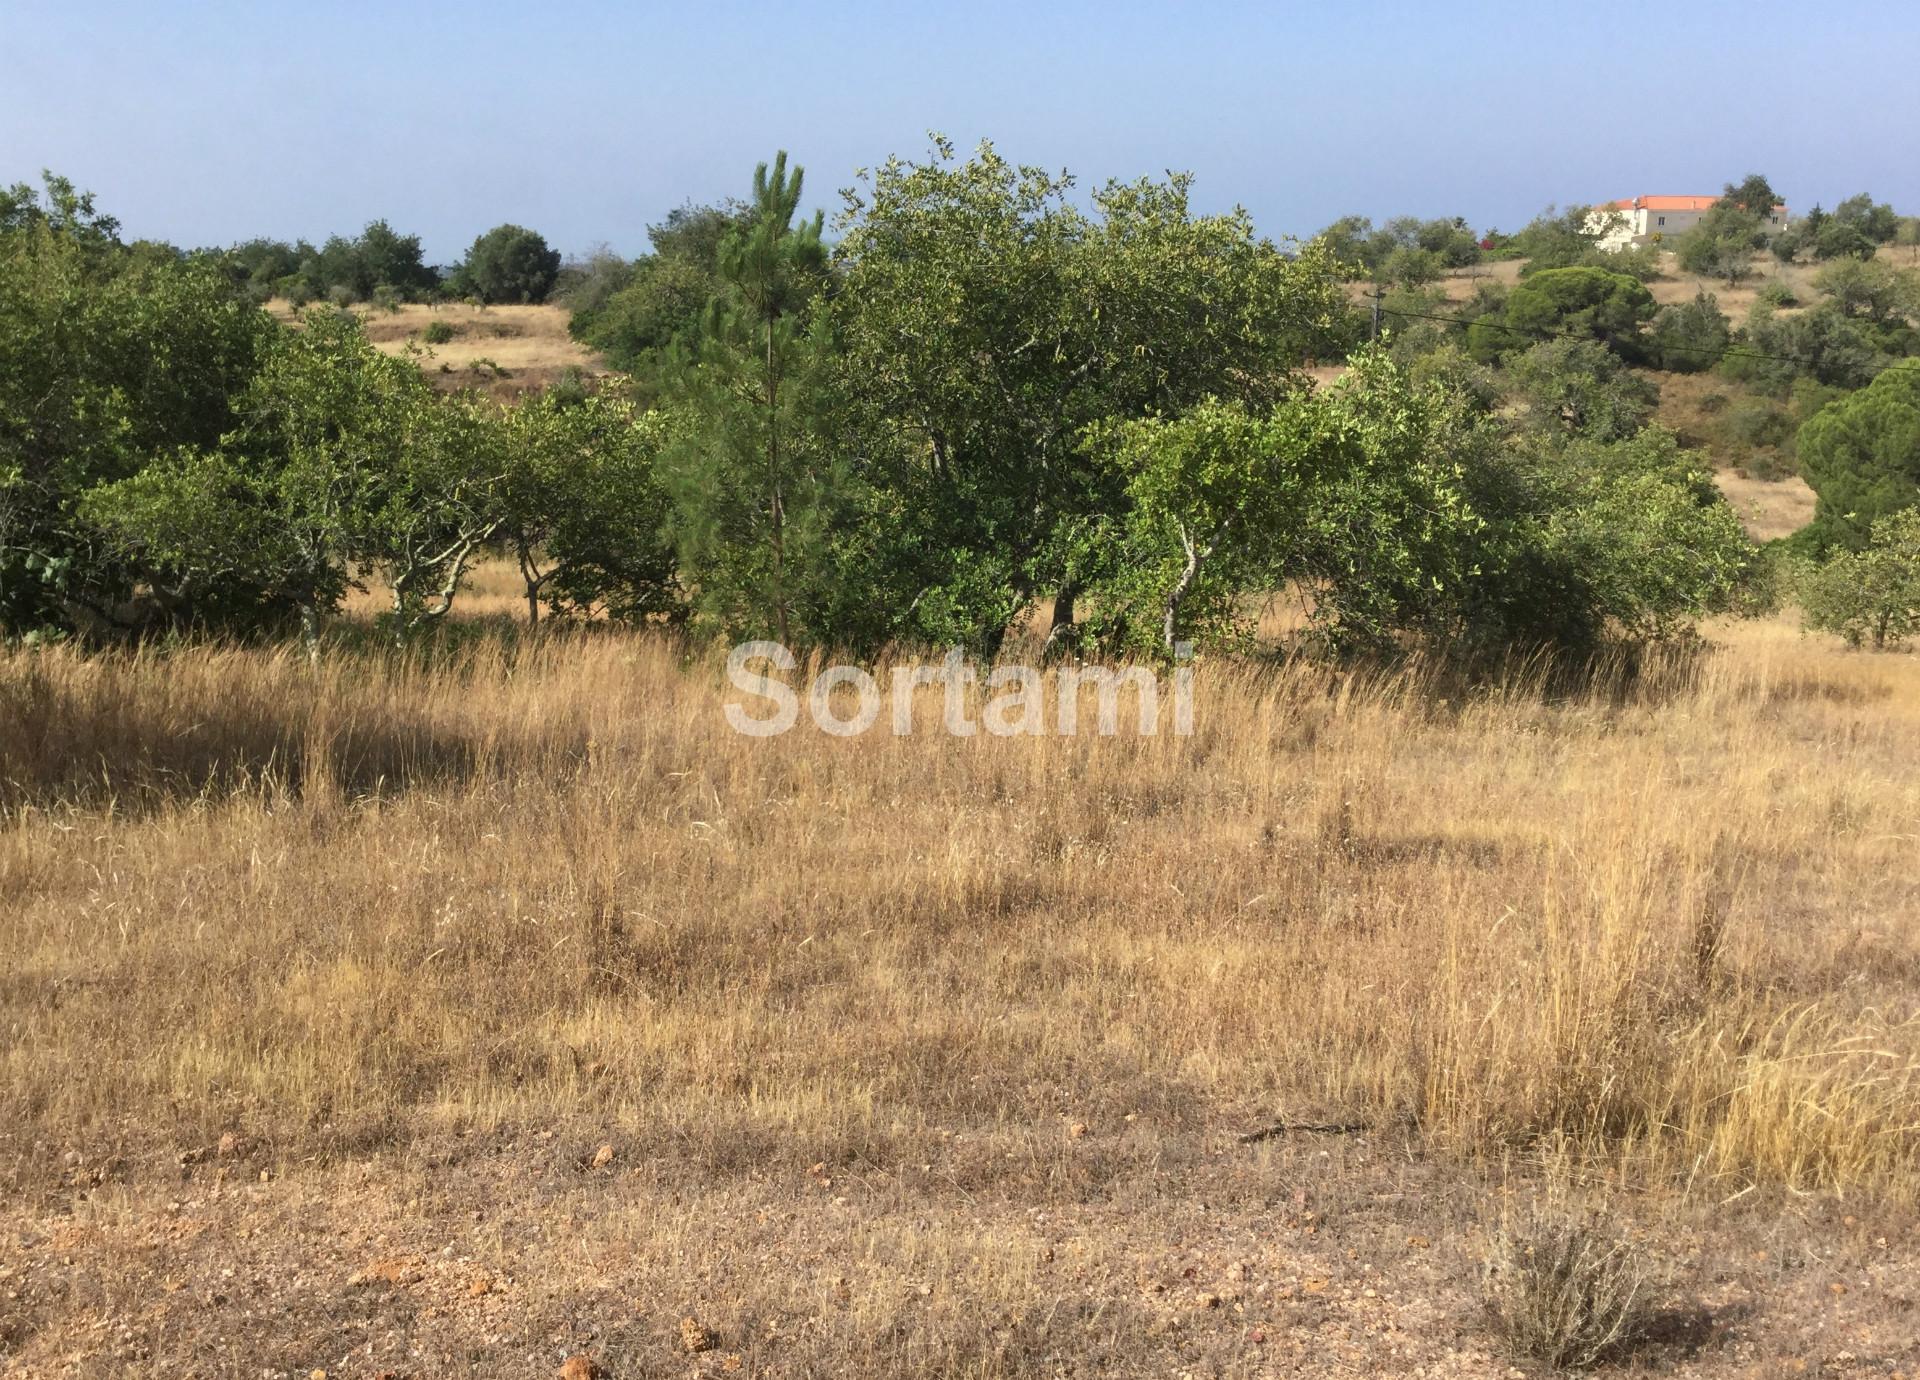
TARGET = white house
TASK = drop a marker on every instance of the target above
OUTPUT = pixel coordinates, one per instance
(1649, 219)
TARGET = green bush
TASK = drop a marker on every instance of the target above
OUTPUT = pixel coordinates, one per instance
(437, 332)
(1871, 596)
(1689, 337)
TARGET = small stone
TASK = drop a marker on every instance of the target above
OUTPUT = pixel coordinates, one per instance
(481, 1285)
(696, 1337)
(1077, 1131)
(603, 1157)
(229, 1145)
(581, 1367)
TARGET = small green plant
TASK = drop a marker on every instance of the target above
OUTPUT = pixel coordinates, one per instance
(1566, 1290)
(1777, 294)
(437, 332)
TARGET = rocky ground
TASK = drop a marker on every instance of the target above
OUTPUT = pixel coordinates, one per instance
(1316, 1254)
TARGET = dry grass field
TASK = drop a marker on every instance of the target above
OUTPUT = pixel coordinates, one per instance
(458, 1016)
(504, 351)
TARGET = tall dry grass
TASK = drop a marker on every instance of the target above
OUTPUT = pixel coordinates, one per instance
(1661, 930)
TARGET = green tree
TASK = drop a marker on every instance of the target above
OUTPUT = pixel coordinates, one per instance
(1581, 388)
(1689, 337)
(660, 300)
(343, 461)
(1753, 195)
(1871, 289)
(587, 518)
(1823, 343)
(508, 264)
(987, 322)
(106, 360)
(1876, 221)
(1608, 307)
(754, 485)
(1871, 595)
(1861, 455)
(1839, 240)
(1353, 494)
(1557, 239)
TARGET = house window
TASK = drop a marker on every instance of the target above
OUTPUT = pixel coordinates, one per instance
(1663, 220)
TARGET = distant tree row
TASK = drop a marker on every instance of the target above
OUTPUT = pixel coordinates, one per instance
(988, 398)
(507, 264)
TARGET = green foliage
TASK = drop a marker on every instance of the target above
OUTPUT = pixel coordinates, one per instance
(1556, 239)
(637, 314)
(1876, 221)
(437, 332)
(663, 303)
(1581, 388)
(996, 392)
(754, 485)
(1722, 244)
(1752, 195)
(105, 360)
(1823, 343)
(1871, 289)
(1397, 510)
(986, 322)
(1861, 454)
(1871, 595)
(1636, 536)
(1689, 337)
(1404, 251)
(1353, 493)
(585, 286)
(508, 264)
(1849, 233)
(586, 517)
(1610, 308)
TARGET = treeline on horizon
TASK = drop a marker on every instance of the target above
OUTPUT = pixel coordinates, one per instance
(981, 398)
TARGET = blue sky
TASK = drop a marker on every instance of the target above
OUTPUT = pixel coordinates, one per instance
(209, 123)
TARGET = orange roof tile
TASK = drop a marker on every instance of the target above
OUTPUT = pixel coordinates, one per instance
(1666, 203)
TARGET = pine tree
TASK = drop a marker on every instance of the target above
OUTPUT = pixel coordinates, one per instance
(752, 485)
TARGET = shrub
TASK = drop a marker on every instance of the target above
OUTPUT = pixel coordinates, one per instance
(1566, 1291)
(437, 332)
(1751, 424)
(1582, 388)
(1775, 293)
(1692, 336)
(1871, 595)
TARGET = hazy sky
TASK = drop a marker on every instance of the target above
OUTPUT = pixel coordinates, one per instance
(213, 122)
